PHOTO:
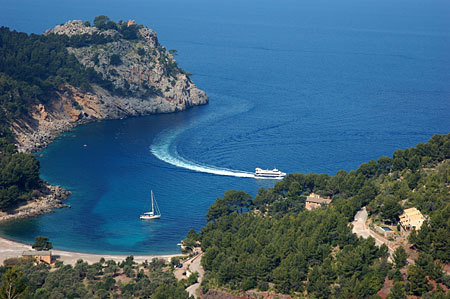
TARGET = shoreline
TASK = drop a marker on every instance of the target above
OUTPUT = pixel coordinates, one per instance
(31, 139)
(51, 198)
(14, 249)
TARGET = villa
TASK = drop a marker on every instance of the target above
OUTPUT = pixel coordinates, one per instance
(39, 256)
(411, 218)
(314, 201)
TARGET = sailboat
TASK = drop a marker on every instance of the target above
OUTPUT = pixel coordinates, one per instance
(155, 212)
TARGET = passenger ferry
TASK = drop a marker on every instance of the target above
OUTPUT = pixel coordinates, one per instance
(269, 174)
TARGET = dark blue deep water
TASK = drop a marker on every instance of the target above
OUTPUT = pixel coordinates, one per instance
(299, 85)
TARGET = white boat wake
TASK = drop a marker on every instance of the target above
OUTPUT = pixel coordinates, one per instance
(163, 148)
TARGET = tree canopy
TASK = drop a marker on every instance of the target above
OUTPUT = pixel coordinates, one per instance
(22, 278)
(42, 243)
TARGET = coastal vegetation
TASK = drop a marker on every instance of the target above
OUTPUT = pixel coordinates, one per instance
(42, 243)
(22, 278)
(33, 67)
(271, 242)
(19, 172)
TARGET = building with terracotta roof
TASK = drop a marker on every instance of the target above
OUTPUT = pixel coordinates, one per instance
(314, 201)
(411, 218)
(39, 256)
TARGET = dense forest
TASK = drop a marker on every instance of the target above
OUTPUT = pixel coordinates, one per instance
(19, 172)
(22, 278)
(272, 243)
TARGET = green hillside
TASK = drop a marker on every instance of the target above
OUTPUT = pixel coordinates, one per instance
(273, 243)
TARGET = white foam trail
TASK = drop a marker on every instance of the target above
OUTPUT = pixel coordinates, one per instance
(164, 146)
(162, 149)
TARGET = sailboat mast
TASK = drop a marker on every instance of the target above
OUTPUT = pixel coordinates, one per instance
(152, 199)
(157, 208)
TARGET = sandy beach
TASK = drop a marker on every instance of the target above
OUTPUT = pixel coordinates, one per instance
(9, 249)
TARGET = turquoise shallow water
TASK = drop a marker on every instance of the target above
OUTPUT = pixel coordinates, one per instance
(299, 85)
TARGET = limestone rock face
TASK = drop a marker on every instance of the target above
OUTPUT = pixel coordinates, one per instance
(75, 27)
(145, 78)
(150, 36)
(146, 69)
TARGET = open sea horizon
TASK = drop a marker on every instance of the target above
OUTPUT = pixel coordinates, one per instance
(303, 86)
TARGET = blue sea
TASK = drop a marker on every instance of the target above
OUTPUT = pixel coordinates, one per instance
(301, 85)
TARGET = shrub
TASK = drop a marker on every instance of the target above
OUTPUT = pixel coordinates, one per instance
(115, 60)
(141, 52)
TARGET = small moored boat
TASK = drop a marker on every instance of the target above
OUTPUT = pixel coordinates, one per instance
(155, 213)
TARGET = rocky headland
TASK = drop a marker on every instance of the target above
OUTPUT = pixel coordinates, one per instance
(145, 80)
(138, 76)
(47, 200)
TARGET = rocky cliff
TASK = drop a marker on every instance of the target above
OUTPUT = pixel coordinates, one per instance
(141, 77)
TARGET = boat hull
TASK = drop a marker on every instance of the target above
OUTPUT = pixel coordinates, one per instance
(148, 217)
(268, 174)
(261, 177)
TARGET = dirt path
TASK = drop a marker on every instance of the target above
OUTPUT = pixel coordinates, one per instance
(192, 265)
(196, 266)
(361, 229)
(359, 224)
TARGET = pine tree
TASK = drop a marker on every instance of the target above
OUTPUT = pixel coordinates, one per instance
(12, 285)
(42, 243)
(400, 257)
(397, 291)
(418, 283)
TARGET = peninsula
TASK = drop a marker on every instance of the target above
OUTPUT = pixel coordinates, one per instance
(74, 74)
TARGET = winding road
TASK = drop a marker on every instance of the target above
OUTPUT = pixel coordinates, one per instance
(195, 266)
(192, 265)
(361, 229)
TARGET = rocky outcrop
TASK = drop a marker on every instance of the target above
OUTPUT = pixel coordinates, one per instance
(47, 199)
(75, 27)
(144, 76)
